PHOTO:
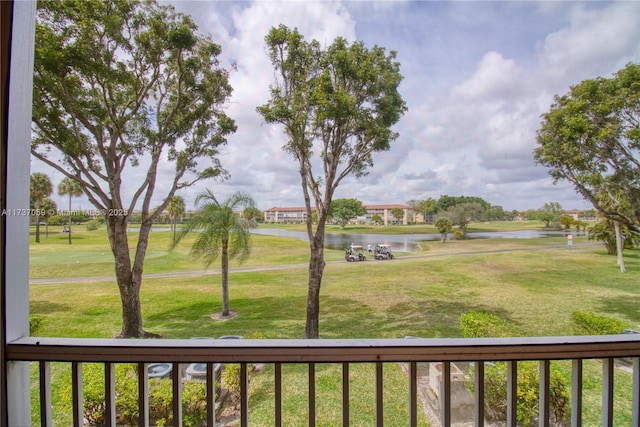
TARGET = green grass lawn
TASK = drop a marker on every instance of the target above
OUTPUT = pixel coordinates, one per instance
(417, 294)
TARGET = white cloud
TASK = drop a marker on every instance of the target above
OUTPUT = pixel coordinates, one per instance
(596, 42)
(477, 80)
(495, 78)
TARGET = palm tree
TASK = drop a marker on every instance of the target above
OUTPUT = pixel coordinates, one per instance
(40, 188)
(221, 232)
(48, 209)
(176, 210)
(73, 189)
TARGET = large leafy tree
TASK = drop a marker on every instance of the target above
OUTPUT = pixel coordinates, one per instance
(591, 138)
(445, 202)
(124, 84)
(40, 188)
(462, 214)
(221, 232)
(398, 214)
(428, 207)
(549, 213)
(343, 210)
(72, 188)
(337, 106)
(252, 214)
(415, 208)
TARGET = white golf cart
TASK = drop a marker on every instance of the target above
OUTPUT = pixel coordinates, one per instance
(354, 253)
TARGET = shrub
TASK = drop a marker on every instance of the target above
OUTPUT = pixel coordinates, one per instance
(495, 392)
(58, 220)
(93, 225)
(604, 232)
(587, 323)
(35, 323)
(231, 380)
(484, 324)
(481, 324)
(194, 407)
(443, 225)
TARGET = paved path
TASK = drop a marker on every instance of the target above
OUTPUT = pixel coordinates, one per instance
(287, 266)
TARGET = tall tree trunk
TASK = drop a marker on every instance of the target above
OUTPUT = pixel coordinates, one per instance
(316, 270)
(619, 246)
(69, 218)
(129, 280)
(225, 278)
(37, 207)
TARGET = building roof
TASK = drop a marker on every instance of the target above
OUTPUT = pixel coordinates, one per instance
(288, 209)
(387, 206)
(368, 207)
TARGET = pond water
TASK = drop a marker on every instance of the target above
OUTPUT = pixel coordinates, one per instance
(407, 242)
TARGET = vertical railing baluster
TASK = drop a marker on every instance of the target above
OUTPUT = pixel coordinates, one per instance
(278, 392)
(345, 394)
(576, 393)
(379, 396)
(46, 419)
(76, 384)
(543, 406)
(635, 398)
(244, 395)
(176, 401)
(607, 392)
(110, 395)
(143, 395)
(479, 394)
(446, 394)
(211, 394)
(512, 393)
(312, 394)
(413, 394)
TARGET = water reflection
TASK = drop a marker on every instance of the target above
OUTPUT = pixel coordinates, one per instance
(407, 242)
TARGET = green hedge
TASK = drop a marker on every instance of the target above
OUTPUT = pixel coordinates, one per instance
(484, 324)
(587, 323)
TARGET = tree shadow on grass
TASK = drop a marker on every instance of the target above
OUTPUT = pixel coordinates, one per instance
(47, 307)
(624, 305)
(285, 317)
(424, 318)
(270, 317)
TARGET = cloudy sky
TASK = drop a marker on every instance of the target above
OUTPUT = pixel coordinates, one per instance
(477, 77)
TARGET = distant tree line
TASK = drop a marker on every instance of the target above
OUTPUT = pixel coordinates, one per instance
(460, 209)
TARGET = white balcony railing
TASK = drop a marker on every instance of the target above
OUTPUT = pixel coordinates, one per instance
(377, 351)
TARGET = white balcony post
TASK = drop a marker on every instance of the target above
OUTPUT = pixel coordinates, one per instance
(16, 239)
(635, 400)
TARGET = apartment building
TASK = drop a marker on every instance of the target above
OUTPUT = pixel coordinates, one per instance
(299, 214)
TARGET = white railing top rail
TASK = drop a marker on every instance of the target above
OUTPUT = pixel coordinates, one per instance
(322, 350)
